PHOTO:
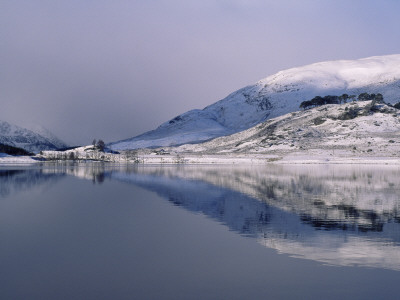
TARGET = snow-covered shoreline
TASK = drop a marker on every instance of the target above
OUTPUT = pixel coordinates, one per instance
(16, 160)
(297, 158)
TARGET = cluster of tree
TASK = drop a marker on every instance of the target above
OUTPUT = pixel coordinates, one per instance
(66, 148)
(365, 97)
(99, 145)
(88, 156)
(318, 100)
(13, 150)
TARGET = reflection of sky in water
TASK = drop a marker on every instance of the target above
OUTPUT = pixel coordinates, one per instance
(339, 215)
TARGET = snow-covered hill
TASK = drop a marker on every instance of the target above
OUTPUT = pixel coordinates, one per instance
(362, 128)
(27, 139)
(274, 96)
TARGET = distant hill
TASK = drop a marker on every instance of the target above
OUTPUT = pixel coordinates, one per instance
(274, 96)
(48, 135)
(26, 139)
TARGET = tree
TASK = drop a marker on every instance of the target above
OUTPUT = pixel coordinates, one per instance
(330, 100)
(317, 101)
(344, 98)
(364, 97)
(101, 145)
(352, 97)
(71, 156)
(94, 142)
(379, 97)
(305, 104)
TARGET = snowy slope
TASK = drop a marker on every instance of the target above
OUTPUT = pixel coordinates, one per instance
(23, 138)
(274, 96)
(362, 128)
(47, 134)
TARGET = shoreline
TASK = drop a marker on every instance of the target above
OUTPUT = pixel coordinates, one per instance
(221, 159)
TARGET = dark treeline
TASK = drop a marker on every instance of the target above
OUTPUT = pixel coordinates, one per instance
(318, 100)
(13, 150)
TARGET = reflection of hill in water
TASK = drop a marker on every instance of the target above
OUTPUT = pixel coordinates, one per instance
(18, 180)
(327, 197)
(96, 172)
(334, 214)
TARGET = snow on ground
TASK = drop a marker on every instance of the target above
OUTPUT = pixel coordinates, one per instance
(326, 132)
(11, 160)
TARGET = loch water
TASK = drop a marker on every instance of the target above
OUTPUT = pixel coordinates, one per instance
(100, 231)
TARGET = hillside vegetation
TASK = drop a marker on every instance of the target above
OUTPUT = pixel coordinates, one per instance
(10, 150)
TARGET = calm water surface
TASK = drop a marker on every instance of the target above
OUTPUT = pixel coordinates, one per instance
(95, 231)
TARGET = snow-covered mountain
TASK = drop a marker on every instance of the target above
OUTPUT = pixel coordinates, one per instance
(274, 96)
(47, 134)
(27, 139)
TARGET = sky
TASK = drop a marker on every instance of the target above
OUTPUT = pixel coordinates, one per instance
(115, 69)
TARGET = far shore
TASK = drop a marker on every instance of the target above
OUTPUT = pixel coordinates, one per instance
(217, 159)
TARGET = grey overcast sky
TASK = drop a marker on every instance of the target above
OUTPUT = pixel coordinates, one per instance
(114, 69)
